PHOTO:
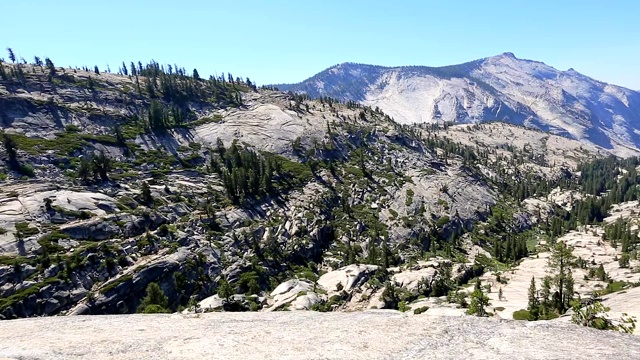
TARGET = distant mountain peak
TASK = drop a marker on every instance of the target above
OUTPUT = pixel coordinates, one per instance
(508, 55)
(501, 87)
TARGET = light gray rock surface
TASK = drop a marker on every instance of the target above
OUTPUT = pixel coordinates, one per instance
(290, 291)
(410, 279)
(348, 277)
(305, 335)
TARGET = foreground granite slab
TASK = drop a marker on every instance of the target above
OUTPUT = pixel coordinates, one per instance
(305, 335)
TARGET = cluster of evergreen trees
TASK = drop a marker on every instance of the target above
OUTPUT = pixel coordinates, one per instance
(15, 164)
(621, 232)
(244, 173)
(601, 175)
(170, 88)
(174, 85)
(95, 166)
(512, 249)
(606, 182)
(16, 72)
(557, 291)
(160, 117)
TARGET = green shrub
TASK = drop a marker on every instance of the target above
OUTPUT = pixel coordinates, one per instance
(443, 203)
(420, 310)
(457, 297)
(124, 278)
(523, 315)
(403, 307)
(614, 286)
(623, 261)
(71, 128)
(409, 200)
(298, 171)
(596, 316)
(24, 229)
(350, 170)
(49, 242)
(204, 120)
(103, 139)
(253, 305)
(23, 294)
(326, 306)
(64, 143)
(153, 309)
(82, 214)
(442, 221)
(550, 316)
(15, 260)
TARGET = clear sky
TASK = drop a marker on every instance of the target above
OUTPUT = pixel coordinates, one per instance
(277, 41)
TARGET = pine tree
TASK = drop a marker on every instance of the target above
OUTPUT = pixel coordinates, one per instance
(545, 296)
(560, 263)
(12, 56)
(478, 301)
(50, 67)
(11, 149)
(385, 252)
(225, 291)
(372, 255)
(101, 165)
(156, 116)
(120, 137)
(84, 170)
(601, 274)
(147, 198)
(567, 294)
(534, 304)
(497, 249)
(390, 296)
(155, 301)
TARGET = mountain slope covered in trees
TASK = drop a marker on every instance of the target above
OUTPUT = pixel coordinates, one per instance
(154, 190)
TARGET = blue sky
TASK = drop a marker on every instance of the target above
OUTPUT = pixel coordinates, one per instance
(275, 41)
